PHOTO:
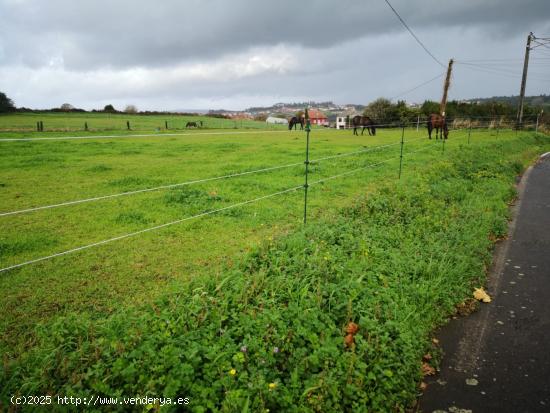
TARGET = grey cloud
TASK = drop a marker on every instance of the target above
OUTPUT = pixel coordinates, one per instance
(87, 35)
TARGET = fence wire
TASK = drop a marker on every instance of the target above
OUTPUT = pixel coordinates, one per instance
(186, 183)
(239, 204)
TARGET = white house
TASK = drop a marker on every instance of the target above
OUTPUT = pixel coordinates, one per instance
(274, 120)
(341, 122)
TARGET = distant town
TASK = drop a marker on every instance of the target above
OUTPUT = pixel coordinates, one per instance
(328, 112)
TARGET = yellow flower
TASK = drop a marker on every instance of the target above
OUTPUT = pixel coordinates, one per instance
(272, 386)
(232, 372)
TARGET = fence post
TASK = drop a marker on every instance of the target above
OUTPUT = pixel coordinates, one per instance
(128, 124)
(166, 124)
(308, 129)
(498, 127)
(37, 126)
(469, 130)
(41, 126)
(417, 122)
(85, 126)
(401, 155)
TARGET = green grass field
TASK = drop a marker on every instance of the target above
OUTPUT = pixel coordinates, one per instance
(116, 122)
(35, 174)
(49, 304)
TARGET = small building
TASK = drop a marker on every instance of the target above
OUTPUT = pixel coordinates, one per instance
(342, 122)
(276, 121)
(317, 117)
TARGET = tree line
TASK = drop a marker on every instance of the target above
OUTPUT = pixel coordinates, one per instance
(384, 111)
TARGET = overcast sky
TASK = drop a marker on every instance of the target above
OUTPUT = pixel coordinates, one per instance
(210, 54)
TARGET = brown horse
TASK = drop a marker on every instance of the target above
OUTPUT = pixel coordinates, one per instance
(365, 122)
(294, 121)
(439, 123)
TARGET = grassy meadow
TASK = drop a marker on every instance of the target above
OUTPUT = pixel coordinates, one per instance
(116, 122)
(244, 309)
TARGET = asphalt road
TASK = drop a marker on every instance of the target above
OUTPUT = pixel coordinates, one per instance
(498, 358)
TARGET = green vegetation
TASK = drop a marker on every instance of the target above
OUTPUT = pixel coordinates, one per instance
(484, 112)
(116, 122)
(245, 310)
(6, 104)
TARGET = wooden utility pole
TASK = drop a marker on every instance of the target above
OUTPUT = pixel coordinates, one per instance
(519, 119)
(446, 88)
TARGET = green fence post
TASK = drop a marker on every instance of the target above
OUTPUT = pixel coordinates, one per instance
(401, 155)
(166, 124)
(469, 130)
(128, 124)
(308, 129)
(85, 126)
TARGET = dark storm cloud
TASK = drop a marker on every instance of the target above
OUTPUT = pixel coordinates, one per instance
(86, 35)
(235, 53)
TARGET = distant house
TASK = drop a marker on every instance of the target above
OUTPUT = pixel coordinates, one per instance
(276, 121)
(342, 122)
(241, 116)
(317, 117)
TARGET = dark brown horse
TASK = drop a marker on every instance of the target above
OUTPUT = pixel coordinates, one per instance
(294, 121)
(191, 125)
(439, 123)
(365, 122)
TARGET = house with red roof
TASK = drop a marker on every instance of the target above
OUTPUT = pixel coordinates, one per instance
(317, 117)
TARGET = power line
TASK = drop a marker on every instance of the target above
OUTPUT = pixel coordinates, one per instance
(414, 35)
(418, 86)
(501, 72)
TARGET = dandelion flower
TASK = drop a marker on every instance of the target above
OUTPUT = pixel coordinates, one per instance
(272, 386)
(232, 372)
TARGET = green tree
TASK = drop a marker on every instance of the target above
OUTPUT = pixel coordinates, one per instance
(6, 104)
(381, 111)
(429, 107)
(405, 113)
(109, 108)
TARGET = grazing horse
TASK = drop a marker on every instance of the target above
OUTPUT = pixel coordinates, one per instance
(439, 123)
(365, 122)
(191, 125)
(294, 121)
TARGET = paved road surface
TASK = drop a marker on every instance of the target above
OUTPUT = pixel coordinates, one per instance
(503, 350)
